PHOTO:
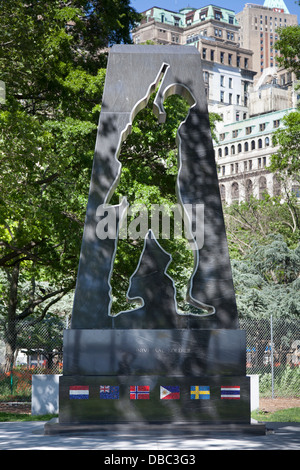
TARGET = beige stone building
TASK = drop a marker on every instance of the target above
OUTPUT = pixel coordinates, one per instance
(214, 31)
(259, 32)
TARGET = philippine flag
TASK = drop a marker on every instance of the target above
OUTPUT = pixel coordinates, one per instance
(79, 392)
(139, 392)
(231, 392)
(170, 392)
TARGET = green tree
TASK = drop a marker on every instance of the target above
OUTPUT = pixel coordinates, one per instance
(286, 160)
(267, 280)
(289, 47)
(252, 222)
(54, 74)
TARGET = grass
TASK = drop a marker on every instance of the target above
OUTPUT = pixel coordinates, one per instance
(17, 417)
(289, 415)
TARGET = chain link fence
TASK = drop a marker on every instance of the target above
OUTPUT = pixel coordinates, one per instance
(272, 352)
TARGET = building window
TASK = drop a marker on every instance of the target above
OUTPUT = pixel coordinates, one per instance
(220, 153)
(231, 20)
(249, 189)
(232, 150)
(238, 61)
(222, 57)
(252, 144)
(248, 130)
(234, 133)
(235, 192)
(222, 192)
(203, 53)
(262, 127)
(296, 190)
(222, 80)
(246, 63)
(230, 82)
(250, 164)
(239, 148)
(276, 123)
(267, 141)
(212, 55)
(226, 151)
(229, 59)
(262, 187)
(246, 147)
(222, 96)
(259, 163)
(259, 143)
(230, 98)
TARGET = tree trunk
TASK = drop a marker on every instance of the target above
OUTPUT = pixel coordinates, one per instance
(11, 330)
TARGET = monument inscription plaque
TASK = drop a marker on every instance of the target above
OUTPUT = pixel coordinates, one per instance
(155, 364)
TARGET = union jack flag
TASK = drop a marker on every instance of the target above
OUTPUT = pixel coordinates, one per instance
(109, 392)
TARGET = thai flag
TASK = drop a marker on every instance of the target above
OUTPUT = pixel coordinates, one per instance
(231, 392)
(171, 392)
(79, 392)
(139, 392)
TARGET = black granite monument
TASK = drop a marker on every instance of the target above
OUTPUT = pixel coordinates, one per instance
(155, 365)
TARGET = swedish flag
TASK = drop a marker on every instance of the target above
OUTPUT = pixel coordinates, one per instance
(200, 392)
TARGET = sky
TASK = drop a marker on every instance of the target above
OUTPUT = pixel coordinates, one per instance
(235, 5)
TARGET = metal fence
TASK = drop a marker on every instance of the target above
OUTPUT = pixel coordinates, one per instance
(272, 352)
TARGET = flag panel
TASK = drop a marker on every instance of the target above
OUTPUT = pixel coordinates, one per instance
(139, 392)
(79, 392)
(170, 392)
(231, 392)
(200, 392)
(109, 392)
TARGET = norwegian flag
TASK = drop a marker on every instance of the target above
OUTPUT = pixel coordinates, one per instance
(139, 392)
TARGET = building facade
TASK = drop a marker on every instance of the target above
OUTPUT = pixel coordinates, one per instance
(235, 49)
(243, 154)
(214, 31)
(259, 32)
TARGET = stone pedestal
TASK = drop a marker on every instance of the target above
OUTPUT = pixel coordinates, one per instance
(154, 376)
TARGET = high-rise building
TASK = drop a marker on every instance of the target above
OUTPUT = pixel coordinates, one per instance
(259, 32)
(235, 49)
(214, 31)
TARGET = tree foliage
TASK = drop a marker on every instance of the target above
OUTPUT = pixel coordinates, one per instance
(289, 48)
(267, 280)
(285, 161)
(252, 222)
(53, 69)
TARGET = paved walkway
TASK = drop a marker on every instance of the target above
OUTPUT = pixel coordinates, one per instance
(30, 436)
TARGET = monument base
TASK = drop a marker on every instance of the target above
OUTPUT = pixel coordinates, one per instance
(54, 427)
(154, 399)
